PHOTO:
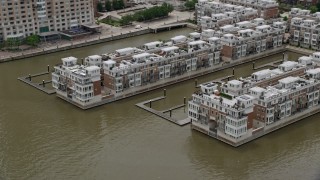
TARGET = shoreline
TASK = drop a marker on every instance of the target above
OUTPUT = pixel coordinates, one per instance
(96, 40)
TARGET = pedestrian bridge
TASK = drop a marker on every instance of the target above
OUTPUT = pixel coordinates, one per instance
(167, 27)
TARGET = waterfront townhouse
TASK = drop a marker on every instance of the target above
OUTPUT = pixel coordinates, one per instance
(305, 33)
(19, 19)
(267, 9)
(218, 115)
(94, 60)
(80, 84)
(249, 41)
(238, 111)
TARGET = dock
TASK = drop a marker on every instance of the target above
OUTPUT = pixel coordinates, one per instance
(271, 64)
(162, 114)
(222, 79)
(38, 85)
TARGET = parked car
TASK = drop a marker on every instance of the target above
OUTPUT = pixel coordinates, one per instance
(138, 26)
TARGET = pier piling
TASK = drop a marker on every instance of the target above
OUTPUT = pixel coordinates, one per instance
(43, 84)
(164, 92)
(29, 77)
(150, 103)
(82, 61)
(253, 64)
(170, 112)
(48, 68)
(232, 71)
(196, 82)
(184, 102)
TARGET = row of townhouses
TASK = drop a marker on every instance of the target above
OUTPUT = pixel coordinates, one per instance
(304, 29)
(305, 3)
(233, 28)
(267, 9)
(305, 33)
(19, 19)
(252, 41)
(212, 14)
(107, 76)
(240, 109)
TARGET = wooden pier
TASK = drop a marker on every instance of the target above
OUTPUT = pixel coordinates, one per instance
(40, 86)
(180, 122)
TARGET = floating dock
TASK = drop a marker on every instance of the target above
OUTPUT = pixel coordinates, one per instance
(180, 122)
(272, 65)
(40, 86)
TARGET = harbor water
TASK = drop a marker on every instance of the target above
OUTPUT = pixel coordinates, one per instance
(44, 137)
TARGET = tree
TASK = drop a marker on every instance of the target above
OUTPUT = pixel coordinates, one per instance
(313, 9)
(108, 5)
(13, 42)
(190, 4)
(318, 6)
(153, 12)
(33, 40)
(121, 4)
(300, 6)
(285, 18)
(99, 7)
(168, 7)
(116, 4)
(127, 19)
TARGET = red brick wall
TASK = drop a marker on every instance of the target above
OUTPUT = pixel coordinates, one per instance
(261, 111)
(96, 88)
(250, 120)
(271, 13)
(95, 6)
(227, 51)
(108, 81)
